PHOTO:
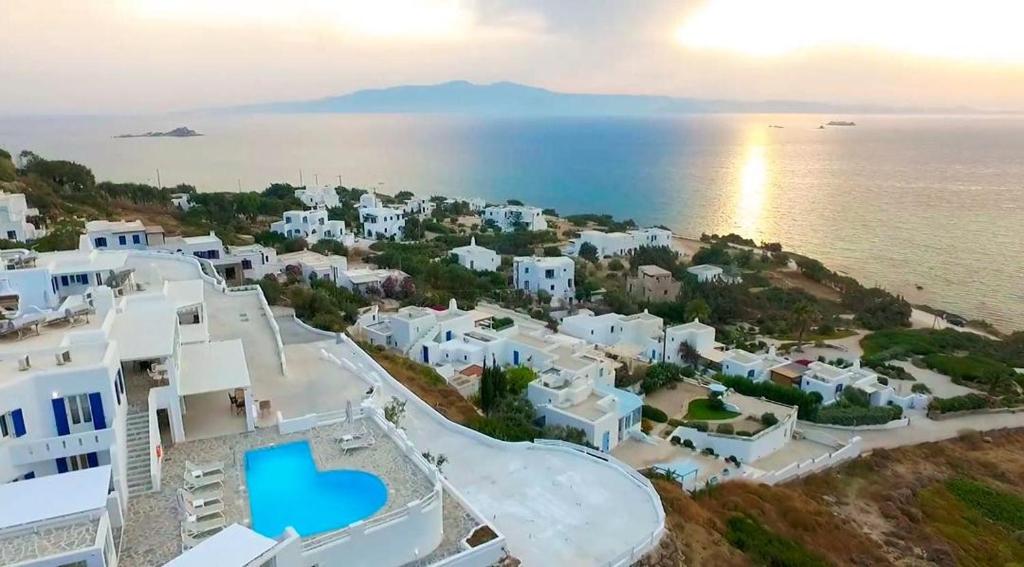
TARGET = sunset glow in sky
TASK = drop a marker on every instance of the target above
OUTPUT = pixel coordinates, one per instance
(160, 55)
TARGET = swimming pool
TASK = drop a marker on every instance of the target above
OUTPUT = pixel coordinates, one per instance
(286, 489)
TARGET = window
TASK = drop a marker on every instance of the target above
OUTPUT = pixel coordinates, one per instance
(122, 240)
(79, 411)
(64, 281)
(12, 424)
(549, 274)
(136, 239)
(287, 220)
(11, 235)
(82, 279)
(78, 462)
(246, 264)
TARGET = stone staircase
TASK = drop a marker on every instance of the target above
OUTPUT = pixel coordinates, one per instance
(139, 479)
(413, 349)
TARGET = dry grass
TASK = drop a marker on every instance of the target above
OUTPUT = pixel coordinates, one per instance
(887, 508)
(428, 386)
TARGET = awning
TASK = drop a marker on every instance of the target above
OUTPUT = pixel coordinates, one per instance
(234, 545)
(213, 367)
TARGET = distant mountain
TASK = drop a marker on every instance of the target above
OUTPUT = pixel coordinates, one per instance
(514, 99)
(179, 132)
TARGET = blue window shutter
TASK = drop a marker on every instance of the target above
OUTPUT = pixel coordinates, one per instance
(62, 465)
(117, 391)
(96, 403)
(60, 416)
(19, 422)
(93, 459)
(29, 475)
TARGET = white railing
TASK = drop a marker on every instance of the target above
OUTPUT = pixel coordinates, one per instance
(24, 452)
(800, 469)
(155, 446)
(216, 282)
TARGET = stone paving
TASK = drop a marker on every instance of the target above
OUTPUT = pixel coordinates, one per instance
(29, 545)
(152, 535)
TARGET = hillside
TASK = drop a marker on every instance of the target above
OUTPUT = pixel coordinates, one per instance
(958, 502)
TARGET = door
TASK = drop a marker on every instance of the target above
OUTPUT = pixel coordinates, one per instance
(426, 354)
(515, 357)
(79, 413)
(606, 440)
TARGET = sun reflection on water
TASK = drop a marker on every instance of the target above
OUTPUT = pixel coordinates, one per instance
(753, 184)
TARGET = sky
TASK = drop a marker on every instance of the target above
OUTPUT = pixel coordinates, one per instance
(142, 56)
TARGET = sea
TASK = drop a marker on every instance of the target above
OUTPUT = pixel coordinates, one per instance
(931, 207)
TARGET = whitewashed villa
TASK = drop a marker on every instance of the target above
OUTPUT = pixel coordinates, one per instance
(322, 197)
(554, 276)
(313, 226)
(476, 257)
(609, 244)
(380, 222)
(511, 217)
(14, 213)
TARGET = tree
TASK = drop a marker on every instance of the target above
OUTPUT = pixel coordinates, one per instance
(519, 378)
(394, 411)
(697, 309)
(588, 252)
(688, 354)
(413, 229)
(803, 314)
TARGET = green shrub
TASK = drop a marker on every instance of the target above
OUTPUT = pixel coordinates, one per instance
(676, 422)
(960, 403)
(807, 403)
(920, 389)
(688, 444)
(615, 265)
(769, 419)
(654, 414)
(1002, 507)
(698, 425)
(767, 547)
(744, 433)
(725, 429)
(856, 415)
(973, 368)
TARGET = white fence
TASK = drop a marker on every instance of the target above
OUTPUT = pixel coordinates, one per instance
(797, 470)
(894, 424)
(155, 461)
(627, 557)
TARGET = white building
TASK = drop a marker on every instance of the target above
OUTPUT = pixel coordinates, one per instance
(610, 244)
(575, 384)
(121, 235)
(552, 275)
(756, 367)
(14, 213)
(318, 197)
(707, 273)
(182, 200)
(511, 217)
(696, 334)
(830, 381)
(639, 336)
(363, 280)
(313, 265)
(419, 206)
(380, 222)
(256, 260)
(313, 226)
(477, 257)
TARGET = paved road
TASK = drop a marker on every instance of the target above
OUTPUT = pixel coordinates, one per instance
(554, 507)
(924, 430)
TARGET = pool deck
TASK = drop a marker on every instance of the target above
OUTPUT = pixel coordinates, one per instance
(152, 533)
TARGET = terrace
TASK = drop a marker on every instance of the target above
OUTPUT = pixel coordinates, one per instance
(151, 536)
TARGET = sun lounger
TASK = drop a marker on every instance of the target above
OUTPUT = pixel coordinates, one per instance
(190, 540)
(196, 479)
(192, 506)
(205, 468)
(194, 525)
(354, 442)
(209, 492)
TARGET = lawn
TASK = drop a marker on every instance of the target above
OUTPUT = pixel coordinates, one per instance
(701, 410)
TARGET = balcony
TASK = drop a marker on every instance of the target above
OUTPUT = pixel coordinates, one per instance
(23, 452)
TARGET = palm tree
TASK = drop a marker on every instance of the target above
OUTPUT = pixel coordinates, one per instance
(688, 354)
(697, 309)
(803, 314)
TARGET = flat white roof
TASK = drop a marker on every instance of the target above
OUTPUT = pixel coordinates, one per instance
(53, 496)
(114, 226)
(704, 269)
(234, 545)
(213, 367)
(80, 261)
(145, 329)
(184, 293)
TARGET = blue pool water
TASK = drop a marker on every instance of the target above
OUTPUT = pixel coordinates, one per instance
(286, 489)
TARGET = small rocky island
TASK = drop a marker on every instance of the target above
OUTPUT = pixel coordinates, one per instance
(841, 123)
(180, 132)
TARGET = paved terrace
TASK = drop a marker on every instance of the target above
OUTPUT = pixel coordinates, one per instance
(151, 535)
(25, 546)
(555, 507)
